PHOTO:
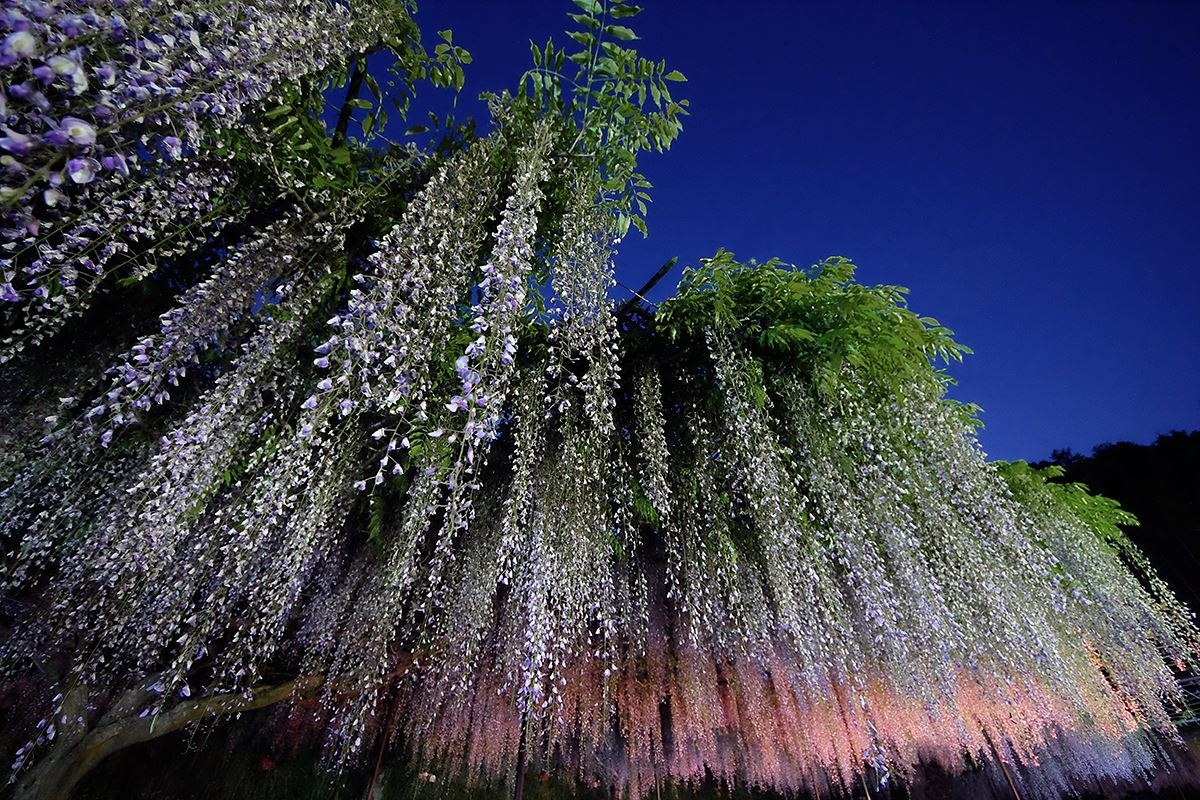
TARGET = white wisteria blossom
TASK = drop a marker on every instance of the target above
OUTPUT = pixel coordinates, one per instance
(375, 440)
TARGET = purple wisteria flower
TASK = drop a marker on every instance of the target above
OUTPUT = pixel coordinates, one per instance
(83, 111)
(116, 163)
(71, 68)
(78, 131)
(83, 170)
(14, 142)
(18, 45)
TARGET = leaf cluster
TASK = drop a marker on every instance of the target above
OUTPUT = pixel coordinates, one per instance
(816, 319)
(1102, 515)
(619, 102)
(411, 66)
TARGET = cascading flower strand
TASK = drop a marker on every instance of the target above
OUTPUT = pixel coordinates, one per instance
(97, 104)
(392, 439)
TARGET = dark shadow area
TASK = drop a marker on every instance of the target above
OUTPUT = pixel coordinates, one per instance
(1160, 484)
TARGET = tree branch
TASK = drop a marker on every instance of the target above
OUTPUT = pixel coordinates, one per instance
(193, 711)
(55, 776)
(123, 732)
(76, 752)
(352, 90)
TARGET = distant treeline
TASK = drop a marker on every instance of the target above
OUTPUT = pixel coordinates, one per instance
(1160, 484)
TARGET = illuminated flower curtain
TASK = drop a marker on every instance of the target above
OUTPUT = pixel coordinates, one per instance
(403, 441)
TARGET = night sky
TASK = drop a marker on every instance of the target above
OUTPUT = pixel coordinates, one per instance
(1029, 170)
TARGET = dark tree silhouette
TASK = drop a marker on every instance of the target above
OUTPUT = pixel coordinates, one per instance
(1160, 484)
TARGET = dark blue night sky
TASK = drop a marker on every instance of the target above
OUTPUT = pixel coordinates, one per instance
(1029, 170)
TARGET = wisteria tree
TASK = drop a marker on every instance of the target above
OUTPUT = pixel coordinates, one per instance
(289, 413)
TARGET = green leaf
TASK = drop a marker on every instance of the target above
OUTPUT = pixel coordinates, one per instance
(586, 20)
(613, 49)
(620, 32)
(373, 85)
(674, 75)
(590, 6)
(621, 10)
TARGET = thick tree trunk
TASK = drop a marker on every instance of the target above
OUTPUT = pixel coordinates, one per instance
(56, 774)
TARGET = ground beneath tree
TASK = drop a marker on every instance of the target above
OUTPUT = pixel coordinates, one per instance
(249, 762)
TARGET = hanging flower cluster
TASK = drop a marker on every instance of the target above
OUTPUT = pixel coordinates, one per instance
(824, 585)
(144, 374)
(755, 557)
(745, 536)
(108, 114)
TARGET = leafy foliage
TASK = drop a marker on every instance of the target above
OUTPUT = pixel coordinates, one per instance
(1102, 514)
(411, 67)
(620, 102)
(817, 320)
(374, 419)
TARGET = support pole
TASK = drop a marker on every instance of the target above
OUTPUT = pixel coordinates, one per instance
(519, 783)
(1012, 786)
(383, 738)
(630, 305)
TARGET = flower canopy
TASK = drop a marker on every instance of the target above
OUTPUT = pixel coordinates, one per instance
(386, 427)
